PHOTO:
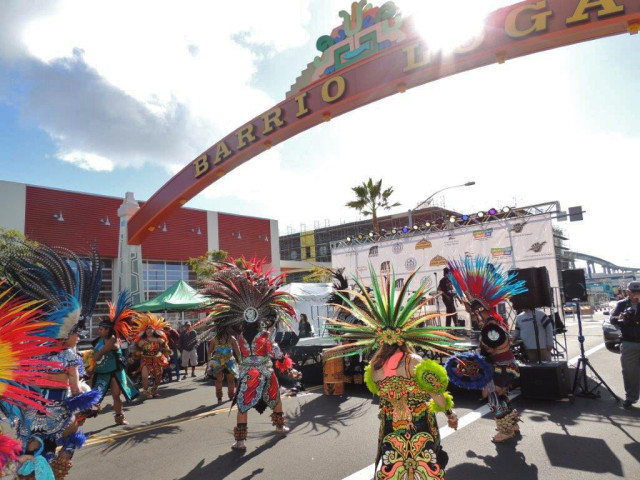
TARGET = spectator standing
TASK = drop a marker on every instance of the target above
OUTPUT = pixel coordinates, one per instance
(188, 345)
(531, 324)
(445, 287)
(627, 318)
(305, 327)
(173, 339)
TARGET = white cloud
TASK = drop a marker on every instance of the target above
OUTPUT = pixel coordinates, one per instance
(87, 161)
(124, 84)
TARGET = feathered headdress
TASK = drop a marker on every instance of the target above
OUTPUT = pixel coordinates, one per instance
(383, 319)
(119, 316)
(483, 284)
(22, 345)
(68, 284)
(142, 321)
(244, 293)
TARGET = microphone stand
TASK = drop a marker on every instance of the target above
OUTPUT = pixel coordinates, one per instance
(580, 381)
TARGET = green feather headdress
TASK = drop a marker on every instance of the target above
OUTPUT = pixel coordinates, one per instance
(384, 319)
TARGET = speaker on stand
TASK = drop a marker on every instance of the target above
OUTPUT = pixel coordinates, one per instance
(575, 290)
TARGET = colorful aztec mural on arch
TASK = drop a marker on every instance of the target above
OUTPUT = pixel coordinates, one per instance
(365, 31)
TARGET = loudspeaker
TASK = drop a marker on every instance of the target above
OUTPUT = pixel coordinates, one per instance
(547, 381)
(538, 292)
(575, 285)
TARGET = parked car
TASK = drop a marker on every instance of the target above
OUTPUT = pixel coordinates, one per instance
(610, 333)
(568, 308)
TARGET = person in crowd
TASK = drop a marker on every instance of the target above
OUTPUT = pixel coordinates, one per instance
(152, 347)
(188, 346)
(531, 324)
(626, 317)
(173, 339)
(483, 286)
(305, 327)
(448, 294)
(411, 390)
(224, 351)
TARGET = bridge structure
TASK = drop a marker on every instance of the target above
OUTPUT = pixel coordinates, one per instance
(608, 268)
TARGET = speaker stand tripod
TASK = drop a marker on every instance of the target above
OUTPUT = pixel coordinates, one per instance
(581, 380)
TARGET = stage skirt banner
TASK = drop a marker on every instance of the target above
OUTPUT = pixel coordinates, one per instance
(513, 243)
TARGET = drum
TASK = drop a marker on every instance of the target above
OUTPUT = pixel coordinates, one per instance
(333, 376)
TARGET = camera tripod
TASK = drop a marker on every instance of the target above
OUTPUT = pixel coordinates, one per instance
(581, 380)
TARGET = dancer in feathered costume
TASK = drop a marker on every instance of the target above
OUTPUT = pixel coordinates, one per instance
(105, 360)
(483, 286)
(247, 300)
(152, 348)
(69, 286)
(223, 363)
(22, 369)
(411, 389)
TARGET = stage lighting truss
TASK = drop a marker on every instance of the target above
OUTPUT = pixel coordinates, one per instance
(446, 224)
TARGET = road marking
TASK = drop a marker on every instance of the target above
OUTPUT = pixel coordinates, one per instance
(369, 472)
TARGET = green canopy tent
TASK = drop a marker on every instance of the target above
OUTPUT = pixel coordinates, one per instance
(179, 297)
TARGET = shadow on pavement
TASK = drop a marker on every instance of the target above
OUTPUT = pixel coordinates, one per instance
(229, 463)
(581, 453)
(325, 414)
(507, 463)
(136, 439)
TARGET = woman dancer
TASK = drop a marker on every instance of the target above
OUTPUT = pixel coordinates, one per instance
(70, 287)
(152, 347)
(106, 364)
(247, 298)
(483, 286)
(224, 351)
(411, 390)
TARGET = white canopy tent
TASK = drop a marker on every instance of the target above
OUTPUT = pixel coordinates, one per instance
(311, 299)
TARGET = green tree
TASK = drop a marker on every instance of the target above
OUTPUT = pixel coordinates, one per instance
(204, 265)
(370, 198)
(10, 242)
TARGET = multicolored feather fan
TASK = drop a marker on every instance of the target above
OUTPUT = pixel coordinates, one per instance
(477, 280)
(120, 316)
(142, 321)
(243, 292)
(384, 316)
(22, 345)
(68, 284)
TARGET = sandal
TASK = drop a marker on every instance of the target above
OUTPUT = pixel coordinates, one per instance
(120, 419)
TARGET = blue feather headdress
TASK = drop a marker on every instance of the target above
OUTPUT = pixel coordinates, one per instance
(68, 284)
(477, 280)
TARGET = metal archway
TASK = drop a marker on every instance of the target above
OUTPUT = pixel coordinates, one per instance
(376, 53)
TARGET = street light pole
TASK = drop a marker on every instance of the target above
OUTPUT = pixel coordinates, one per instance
(430, 197)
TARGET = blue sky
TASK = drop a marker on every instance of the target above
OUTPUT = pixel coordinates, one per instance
(97, 101)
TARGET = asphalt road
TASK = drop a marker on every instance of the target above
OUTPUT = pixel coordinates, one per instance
(183, 435)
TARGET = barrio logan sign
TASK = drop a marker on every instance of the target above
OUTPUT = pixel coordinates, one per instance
(376, 53)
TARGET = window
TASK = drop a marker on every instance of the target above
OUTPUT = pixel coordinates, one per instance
(160, 275)
(307, 252)
(373, 251)
(400, 283)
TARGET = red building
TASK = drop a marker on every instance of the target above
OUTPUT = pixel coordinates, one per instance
(76, 220)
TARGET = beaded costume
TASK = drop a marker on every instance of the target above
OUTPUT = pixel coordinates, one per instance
(154, 352)
(110, 365)
(246, 299)
(483, 286)
(388, 321)
(69, 286)
(409, 440)
(223, 363)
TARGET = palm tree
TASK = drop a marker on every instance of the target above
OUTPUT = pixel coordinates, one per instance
(370, 198)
